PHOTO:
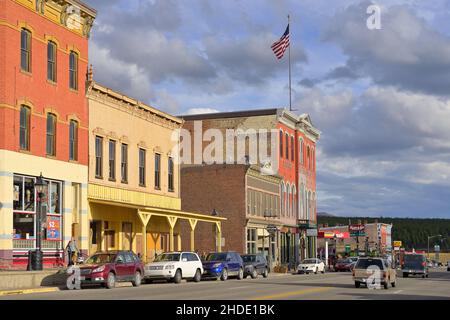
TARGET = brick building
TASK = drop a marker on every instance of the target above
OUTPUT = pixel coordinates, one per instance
(43, 125)
(248, 199)
(292, 139)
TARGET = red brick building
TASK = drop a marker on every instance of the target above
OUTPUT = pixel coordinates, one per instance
(295, 162)
(43, 123)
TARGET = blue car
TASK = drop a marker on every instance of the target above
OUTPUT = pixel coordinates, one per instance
(221, 265)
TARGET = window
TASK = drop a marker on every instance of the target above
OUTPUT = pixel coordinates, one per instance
(25, 50)
(157, 171)
(98, 157)
(142, 167)
(73, 70)
(281, 144)
(171, 187)
(301, 151)
(292, 148)
(112, 160)
(287, 146)
(251, 241)
(308, 157)
(73, 140)
(51, 134)
(24, 128)
(51, 61)
(124, 163)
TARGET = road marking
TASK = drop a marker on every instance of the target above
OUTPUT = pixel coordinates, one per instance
(234, 288)
(28, 291)
(291, 293)
(398, 291)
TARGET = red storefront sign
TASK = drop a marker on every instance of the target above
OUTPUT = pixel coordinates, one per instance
(342, 235)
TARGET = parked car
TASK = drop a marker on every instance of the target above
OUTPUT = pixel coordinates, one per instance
(107, 268)
(364, 272)
(311, 265)
(448, 265)
(344, 265)
(174, 266)
(254, 265)
(221, 265)
(415, 264)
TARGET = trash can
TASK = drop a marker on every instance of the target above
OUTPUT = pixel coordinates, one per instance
(35, 260)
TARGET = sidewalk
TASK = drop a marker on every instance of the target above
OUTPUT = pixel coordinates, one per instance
(26, 280)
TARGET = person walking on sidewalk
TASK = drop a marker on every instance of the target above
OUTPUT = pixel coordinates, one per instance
(71, 249)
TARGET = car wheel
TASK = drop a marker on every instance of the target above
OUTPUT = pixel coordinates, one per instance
(240, 274)
(266, 273)
(224, 275)
(357, 284)
(385, 285)
(111, 280)
(323, 270)
(405, 275)
(198, 276)
(317, 270)
(393, 284)
(254, 274)
(426, 275)
(177, 277)
(423, 276)
(137, 279)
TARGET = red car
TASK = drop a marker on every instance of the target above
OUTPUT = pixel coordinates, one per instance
(107, 268)
(344, 265)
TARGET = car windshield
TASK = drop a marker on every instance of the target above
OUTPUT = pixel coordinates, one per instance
(344, 261)
(366, 263)
(414, 259)
(167, 257)
(216, 257)
(309, 261)
(249, 258)
(100, 258)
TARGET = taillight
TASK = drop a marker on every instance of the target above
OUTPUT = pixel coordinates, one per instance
(353, 272)
(384, 274)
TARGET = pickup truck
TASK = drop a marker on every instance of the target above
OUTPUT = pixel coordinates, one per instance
(373, 272)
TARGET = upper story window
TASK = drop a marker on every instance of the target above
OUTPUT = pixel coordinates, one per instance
(98, 157)
(170, 171)
(157, 171)
(51, 61)
(124, 163)
(112, 160)
(51, 134)
(142, 167)
(281, 144)
(308, 157)
(292, 148)
(73, 140)
(25, 50)
(24, 128)
(287, 146)
(301, 146)
(73, 70)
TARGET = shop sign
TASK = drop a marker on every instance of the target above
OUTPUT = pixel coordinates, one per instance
(271, 228)
(357, 230)
(311, 232)
(53, 228)
(342, 235)
(397, 244)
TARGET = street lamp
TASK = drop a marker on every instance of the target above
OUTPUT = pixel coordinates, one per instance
(41, 188)
(428, 244)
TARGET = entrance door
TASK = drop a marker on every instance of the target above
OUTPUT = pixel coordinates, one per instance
(127, 236)
(110, 239)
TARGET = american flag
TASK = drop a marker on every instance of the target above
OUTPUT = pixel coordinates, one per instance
(281, 45)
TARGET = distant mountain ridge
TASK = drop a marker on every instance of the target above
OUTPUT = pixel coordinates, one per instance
(413, 232)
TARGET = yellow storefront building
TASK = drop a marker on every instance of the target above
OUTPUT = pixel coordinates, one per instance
(134, 188)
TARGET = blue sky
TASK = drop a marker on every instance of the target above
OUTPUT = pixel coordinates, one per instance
(380, 97)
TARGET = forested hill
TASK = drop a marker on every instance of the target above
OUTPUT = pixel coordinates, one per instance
(412, 232)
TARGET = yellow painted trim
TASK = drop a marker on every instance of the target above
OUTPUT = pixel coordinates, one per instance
(53, 39)
(193, 223)
(291, 293)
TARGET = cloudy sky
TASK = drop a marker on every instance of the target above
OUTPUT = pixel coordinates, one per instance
(380, 97)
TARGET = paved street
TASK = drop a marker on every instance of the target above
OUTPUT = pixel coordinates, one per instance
(315, 287)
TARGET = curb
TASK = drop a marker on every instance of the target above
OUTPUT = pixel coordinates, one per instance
(28, 291)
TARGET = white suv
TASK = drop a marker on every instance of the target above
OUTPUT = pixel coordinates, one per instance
(174, 266)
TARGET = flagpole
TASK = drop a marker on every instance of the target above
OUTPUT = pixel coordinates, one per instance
(290, 88)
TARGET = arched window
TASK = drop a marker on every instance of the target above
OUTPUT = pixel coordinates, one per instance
(24, 136)
(301, 151)
(292, 148)
(294, 201)
(308, 158)
(288, 200)
(51, 61)
(281, 143)
(287, 146)
(51, 134)
(283, 200)
(25, 50)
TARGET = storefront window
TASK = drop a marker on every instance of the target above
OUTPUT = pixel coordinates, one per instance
(24, 199)
(54, 203)
(18, 193)
(251, 241)
(23, 225)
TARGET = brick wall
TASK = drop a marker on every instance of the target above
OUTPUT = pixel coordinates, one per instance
(220, 187)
